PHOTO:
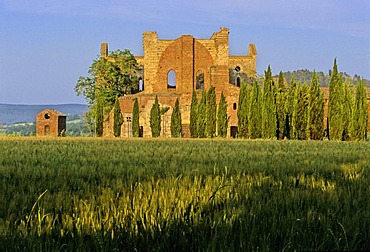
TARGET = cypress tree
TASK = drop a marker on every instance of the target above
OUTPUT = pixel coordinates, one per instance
(280, 107)
(335, 110)
(281, 84)
(176, 120)
(347, 111)
(222, 119)
(201, 118)
(254, 116)
(135, 119)
(315, 125)
(268, 107)
(193, 115)
(289, 107)
(211, 113)
(118, 120)
(155, 119)
(360, 118)
(99, 115)
(300, 112)
(243, 110)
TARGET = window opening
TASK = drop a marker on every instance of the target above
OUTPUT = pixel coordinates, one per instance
(200, 81)
(141, 84)
(47, 116)
(171, 79)
(234, 106)
(238, 81)
(47, 130)
(141, 131)
(233, 131)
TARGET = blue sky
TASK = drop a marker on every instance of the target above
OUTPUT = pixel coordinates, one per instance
(45, 45)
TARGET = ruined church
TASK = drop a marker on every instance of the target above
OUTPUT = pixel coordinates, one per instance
(172, 69)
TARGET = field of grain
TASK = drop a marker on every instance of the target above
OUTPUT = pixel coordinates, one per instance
(183, 195)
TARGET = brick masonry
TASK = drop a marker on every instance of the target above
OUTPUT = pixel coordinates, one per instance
(187, 57)
(50, 122)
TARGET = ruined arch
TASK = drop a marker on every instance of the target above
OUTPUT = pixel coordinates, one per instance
(171, 79)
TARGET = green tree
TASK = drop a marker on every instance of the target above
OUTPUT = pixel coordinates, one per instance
(243, 110)
(107, 79)
(269, 107)
(289, 108)
(254, 116)
(315, 125)
(222, 119)
(155, 119)
(135, 119)
(201, 118)
(211, 113)
(99, 117)
(193, 115)
(118, 119)
(300, 112)
(176, 120)
(359, 122)
(347, 111)
(280, 107)
(335, 110)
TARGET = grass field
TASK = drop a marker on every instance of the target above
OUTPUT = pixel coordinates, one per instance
(183, 195)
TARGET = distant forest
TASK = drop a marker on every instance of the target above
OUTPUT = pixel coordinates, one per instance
(305, 75)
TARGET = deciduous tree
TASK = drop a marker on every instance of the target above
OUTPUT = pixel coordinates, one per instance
(107, 79)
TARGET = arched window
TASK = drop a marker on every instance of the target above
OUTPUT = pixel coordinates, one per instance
(141, 84)
(171, 79)
(200, 80)
(47, 130)
(238, 81)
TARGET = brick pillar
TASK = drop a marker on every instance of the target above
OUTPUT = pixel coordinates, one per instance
(187, 65)
(104, 49)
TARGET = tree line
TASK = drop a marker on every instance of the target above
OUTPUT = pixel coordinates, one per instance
(268, 111)
(297, 111)
(204, 117)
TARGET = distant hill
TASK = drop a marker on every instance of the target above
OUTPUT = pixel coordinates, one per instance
(305, 75)
(11, 113)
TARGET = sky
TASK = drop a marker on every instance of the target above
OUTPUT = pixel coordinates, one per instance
(46, 45)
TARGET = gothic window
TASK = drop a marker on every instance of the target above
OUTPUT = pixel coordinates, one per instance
(200, 80)
(141, 84)
(237, 81)
(171, 79)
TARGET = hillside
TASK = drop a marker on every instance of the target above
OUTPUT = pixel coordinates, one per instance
(11, 113)
(305, 75)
